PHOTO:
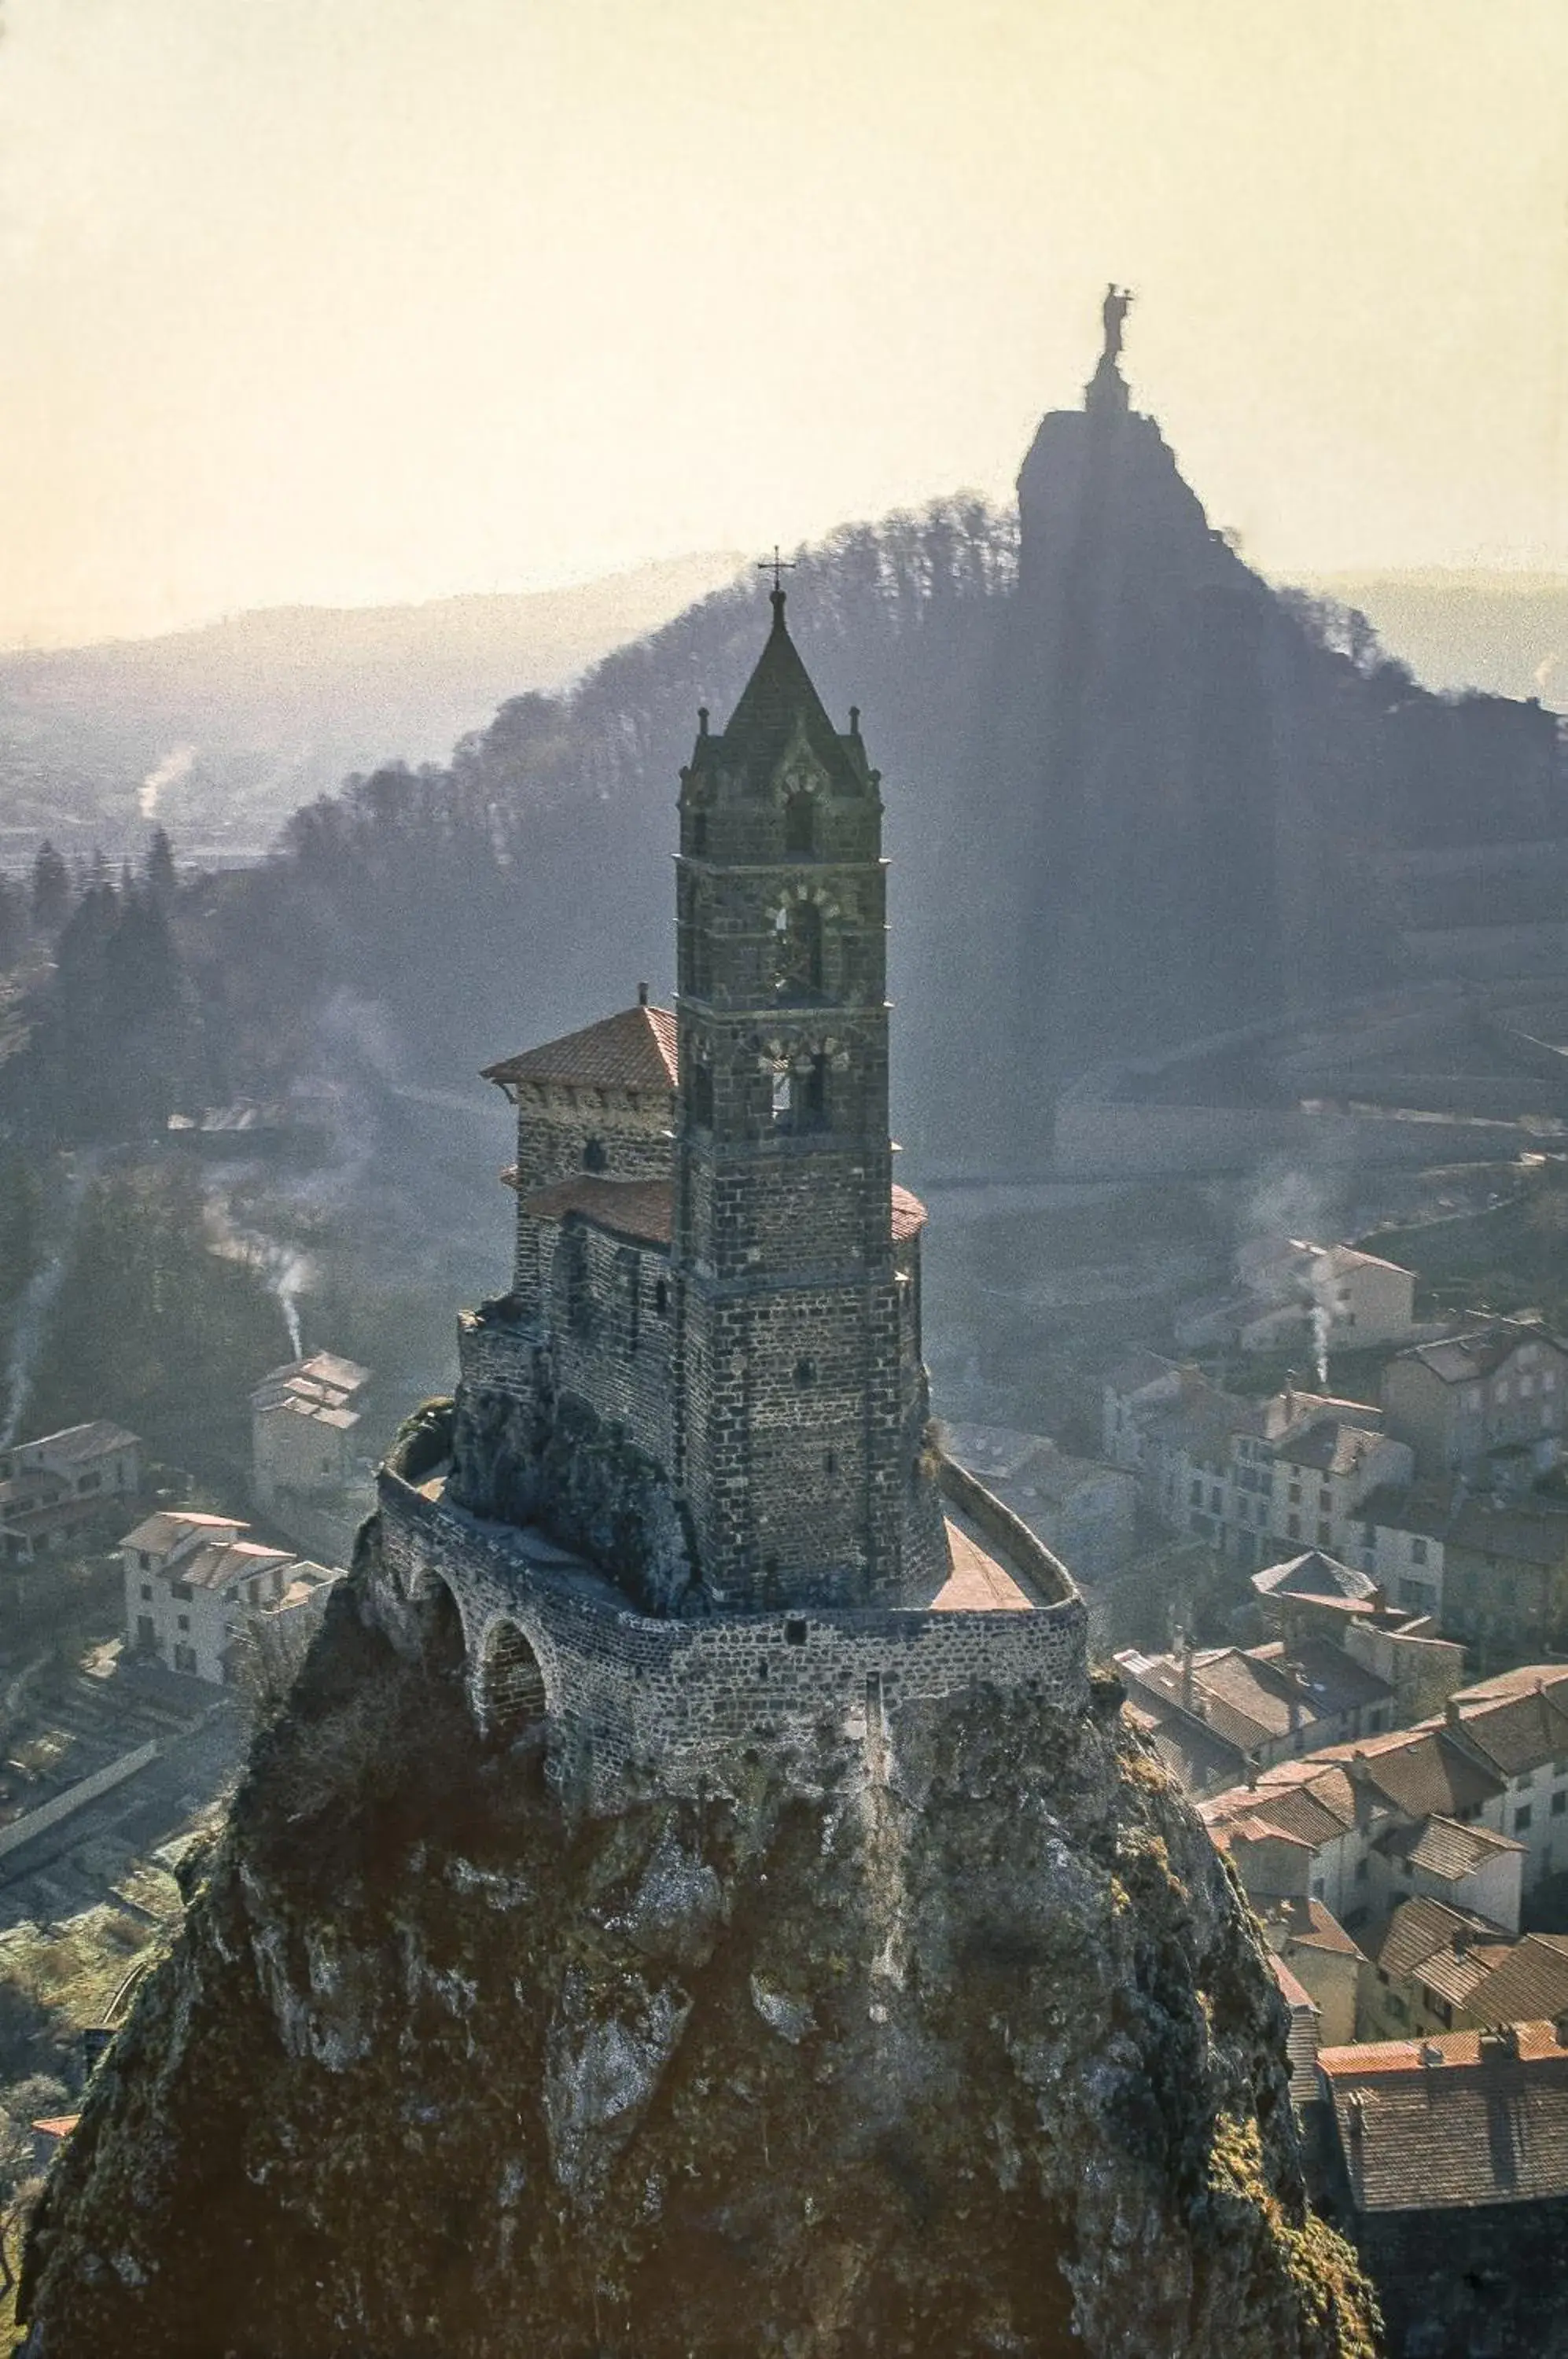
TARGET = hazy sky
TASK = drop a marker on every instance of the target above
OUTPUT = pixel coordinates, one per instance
(361, 300)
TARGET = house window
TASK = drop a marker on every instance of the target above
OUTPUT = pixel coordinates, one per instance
(1194, 1495)
(181, 1590)
(146, 1592)
(144, 1560)
(594, 1156)
(1217, 1499)
(185, 1621)
(1418, 1552)
(1324, 1534)
(1558, 1804)
(1521, 1817)
(1362, 1871)
(1295, 1494)
(1292, 1528)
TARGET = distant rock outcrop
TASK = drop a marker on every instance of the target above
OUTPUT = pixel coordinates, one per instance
(970, 2050)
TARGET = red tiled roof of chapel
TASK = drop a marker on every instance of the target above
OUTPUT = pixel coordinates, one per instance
(633, 1050)
(908, 1215)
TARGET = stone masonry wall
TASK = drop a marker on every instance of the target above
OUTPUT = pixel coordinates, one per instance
(635, 1702)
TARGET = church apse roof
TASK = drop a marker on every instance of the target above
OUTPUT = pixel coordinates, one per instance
(633, 1050)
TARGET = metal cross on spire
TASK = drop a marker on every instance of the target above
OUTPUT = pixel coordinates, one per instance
(775, 565)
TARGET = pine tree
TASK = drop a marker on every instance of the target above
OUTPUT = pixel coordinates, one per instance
(50, 890)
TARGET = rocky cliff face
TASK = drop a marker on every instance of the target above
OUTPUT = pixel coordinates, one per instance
(968, 2049)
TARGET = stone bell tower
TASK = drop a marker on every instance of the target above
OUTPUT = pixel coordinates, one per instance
(788, 1416)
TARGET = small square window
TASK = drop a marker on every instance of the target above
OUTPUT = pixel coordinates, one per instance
(1521, 1817)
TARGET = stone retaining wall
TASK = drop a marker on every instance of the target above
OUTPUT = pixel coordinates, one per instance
(634, 1701)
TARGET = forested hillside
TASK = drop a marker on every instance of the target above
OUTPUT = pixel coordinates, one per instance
(1129, 789)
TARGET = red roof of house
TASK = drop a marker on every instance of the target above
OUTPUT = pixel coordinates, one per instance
(633, 1050)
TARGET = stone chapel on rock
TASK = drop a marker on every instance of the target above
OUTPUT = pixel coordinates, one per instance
(690, 1494)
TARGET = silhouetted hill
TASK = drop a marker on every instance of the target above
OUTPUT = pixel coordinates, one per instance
(220, 733)
(1460, 629)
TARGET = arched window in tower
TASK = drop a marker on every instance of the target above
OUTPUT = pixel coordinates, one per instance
(702, 1096)
(797, 948)
(800, 824)
(783, 1095)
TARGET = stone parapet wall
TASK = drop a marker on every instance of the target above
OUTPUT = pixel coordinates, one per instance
(635, 1702)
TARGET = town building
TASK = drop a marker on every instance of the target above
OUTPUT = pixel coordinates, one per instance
(308, 1474)
(1262, 1705)
(689, 1498)
(196, 1583)
(1445, 2160)
(1245, 1476)
(1437, 1968)
(1503, 1387)
(55, 1488)
(1290, 1293)
(1084, 1509)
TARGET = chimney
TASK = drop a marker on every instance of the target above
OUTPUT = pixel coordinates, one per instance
(642, 994)
(1186, 1670)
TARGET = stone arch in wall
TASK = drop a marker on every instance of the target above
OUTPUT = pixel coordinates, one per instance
(512, 1693)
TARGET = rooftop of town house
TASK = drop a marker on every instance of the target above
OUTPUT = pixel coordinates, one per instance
(1316, 1576)
(1424, 1508)
(633, 1050)
(78, 1445)
(1515, 1534)
(1334, 1680)
(1329, 1445)
(1422, 1931)
(1315, 1811)
(159, 1533)
(1423, 1771)
(1520, 1980)
(1309, 1925)
(1302, 2039)
(324, 1377)
(1521, 1725)
(1143, 1368)
(1028, 1463)
(1257, 1695)
(642, 1210)
(1193, 1754)
(221, 1564)
(1445, 1847)
(1467, 1359)
(1452, 2122)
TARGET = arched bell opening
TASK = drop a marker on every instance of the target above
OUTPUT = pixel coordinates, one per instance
(512, 1695)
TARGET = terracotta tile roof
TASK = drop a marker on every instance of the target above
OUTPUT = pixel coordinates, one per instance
(1463, 1359)
(1421, 1930)
(1443, 1847)
(1331, 1446)
(1313, 1575)
(1423, 1771)
(1480, 2121)
(1518, 1732)
(78, 1444)
(638, 1209)
(1322, 1930)
(171, 1525)
(633, 1050)
(908, 1215)
(1529, 1979)
(221, 1564)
